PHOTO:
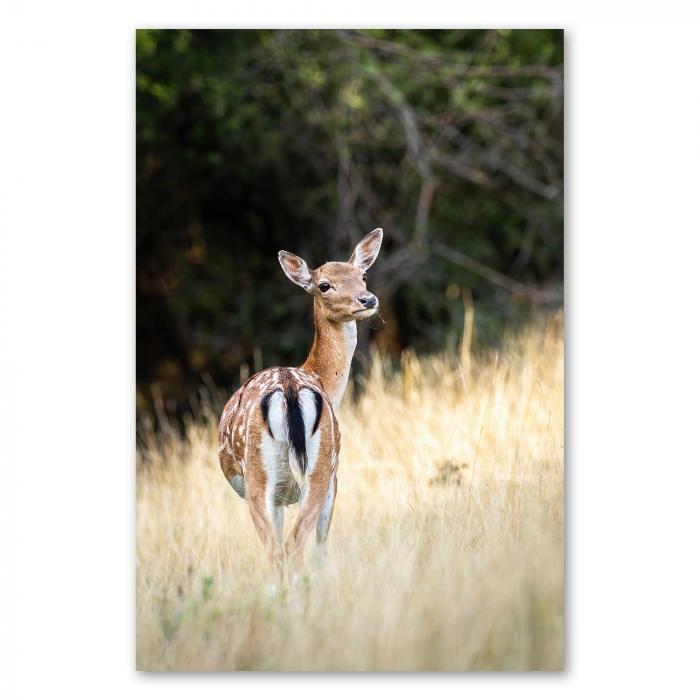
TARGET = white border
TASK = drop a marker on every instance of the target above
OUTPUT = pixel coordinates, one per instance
(67, 280)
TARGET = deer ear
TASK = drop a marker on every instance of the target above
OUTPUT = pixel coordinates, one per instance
(367, 249)
(296, 269)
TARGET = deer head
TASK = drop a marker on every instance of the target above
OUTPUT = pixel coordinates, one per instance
(339, 287)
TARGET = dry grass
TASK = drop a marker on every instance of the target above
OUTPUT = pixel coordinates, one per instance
(446, 550)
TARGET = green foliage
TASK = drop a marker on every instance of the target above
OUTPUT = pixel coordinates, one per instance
(253, 141)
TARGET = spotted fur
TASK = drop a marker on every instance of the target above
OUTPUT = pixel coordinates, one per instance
(279, 440)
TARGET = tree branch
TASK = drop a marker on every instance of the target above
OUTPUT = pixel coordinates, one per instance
(540, 296)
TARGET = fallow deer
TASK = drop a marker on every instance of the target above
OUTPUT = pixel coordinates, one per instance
(279, 440)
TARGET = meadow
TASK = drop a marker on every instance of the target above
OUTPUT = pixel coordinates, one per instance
(446, 550)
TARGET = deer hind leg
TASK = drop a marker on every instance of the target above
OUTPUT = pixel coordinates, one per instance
(311, 505)
(262, 477)
(324, 520)
(316, 488)
(262, 518)
(278, 522)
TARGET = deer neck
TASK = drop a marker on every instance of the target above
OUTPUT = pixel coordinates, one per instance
(331, 354)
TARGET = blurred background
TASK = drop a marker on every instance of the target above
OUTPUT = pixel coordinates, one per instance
(252, 141)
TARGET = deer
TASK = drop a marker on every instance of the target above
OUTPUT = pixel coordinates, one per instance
(279, 440)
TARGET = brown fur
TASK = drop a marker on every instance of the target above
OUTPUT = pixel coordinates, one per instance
(242, 427)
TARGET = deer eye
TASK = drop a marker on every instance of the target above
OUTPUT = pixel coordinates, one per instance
(324, 286)
(364, 276)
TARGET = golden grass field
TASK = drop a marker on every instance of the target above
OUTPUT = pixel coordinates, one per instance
(446, 550)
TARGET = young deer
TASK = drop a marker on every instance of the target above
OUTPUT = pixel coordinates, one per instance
(278, 436)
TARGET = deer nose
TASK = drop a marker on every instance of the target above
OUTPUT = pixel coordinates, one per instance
(369, 301)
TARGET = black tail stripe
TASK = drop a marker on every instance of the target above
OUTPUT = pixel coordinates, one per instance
(295, 421)
(296, 427)
(319, 408)
(265, 406)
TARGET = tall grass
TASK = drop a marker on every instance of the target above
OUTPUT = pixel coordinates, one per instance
(446, 548)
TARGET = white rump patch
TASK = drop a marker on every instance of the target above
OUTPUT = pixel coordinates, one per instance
(307, 401)
(277, 416)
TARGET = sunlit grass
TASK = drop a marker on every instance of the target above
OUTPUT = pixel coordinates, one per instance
(446, 549)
